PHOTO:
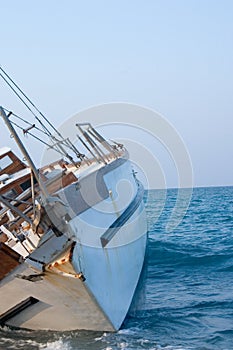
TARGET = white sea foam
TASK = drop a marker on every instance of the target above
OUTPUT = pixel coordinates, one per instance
(129, 331)
(122, 345)
(102, 337)
(170, 347)
(17, 343)
(58, 345)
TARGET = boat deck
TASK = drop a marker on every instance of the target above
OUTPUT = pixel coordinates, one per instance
(67, 297)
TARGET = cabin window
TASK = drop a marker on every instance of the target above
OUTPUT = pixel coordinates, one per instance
(25, 185)
(5, 162)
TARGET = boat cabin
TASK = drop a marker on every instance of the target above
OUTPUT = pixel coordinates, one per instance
(19, 206)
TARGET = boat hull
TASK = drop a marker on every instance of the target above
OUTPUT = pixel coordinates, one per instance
(99, 303)
(112, 273)
(86, 282)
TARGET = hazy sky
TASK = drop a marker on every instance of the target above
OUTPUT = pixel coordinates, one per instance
(175, 57)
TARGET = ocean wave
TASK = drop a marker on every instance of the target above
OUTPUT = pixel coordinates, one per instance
(165, 253)
(188, 302)
(30, 340)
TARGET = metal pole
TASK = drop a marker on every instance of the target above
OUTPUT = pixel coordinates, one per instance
(16, 210)
(24, 151)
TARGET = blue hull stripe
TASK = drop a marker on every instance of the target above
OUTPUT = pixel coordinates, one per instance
(127, 213)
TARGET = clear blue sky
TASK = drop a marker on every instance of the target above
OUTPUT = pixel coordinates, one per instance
(173, 56)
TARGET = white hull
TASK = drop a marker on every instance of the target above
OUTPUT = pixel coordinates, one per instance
(112, 274)
(62, 300)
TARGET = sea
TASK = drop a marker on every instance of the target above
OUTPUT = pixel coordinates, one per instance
(185, 297)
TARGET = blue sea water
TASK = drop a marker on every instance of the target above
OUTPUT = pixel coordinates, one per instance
(186, 302)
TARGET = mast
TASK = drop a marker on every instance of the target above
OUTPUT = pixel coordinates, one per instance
(24, 151)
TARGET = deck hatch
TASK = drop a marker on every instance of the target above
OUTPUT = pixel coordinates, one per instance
(15, 310)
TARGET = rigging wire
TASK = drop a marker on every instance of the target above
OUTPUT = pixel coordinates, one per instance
(22, 100)
(66, 143)
(21, 91)
(38, 139)
(60, 142)
(26, 122)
